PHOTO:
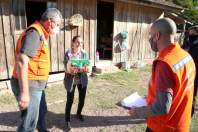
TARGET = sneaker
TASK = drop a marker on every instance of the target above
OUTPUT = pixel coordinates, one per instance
(68, 126)
(80, 117)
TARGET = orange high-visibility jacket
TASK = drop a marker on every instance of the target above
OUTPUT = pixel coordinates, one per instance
(183, 68)
(38, 66)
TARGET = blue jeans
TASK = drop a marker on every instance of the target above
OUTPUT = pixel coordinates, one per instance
(29, 116)
(41, 125)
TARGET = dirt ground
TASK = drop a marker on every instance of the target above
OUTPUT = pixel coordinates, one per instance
(111, 120)
(101, 113)
(100, 110)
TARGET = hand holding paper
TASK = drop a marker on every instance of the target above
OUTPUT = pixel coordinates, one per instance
(134, 100)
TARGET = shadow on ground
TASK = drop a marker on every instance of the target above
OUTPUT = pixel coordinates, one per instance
(9, 118)
(56, 120)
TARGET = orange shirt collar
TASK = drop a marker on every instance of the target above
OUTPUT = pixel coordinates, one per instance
(171, 46)
(44, 30)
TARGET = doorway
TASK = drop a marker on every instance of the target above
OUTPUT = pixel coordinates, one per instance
(34, 10)
(105, 16)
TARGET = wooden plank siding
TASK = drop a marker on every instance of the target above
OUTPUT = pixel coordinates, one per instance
(8, 35)
(93, 29)
(67, 13)
(7, 42)
(13, 23)
(61, 39)
(3, 63)
(135, 19)
(129, 17)
(60, 43)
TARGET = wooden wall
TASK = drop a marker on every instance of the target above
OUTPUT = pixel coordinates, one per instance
(6, 39)
(135, 19)
(13, 22)
(87, 9)
(127, 17)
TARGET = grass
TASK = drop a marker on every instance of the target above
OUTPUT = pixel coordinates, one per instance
(194, 126)
(103, 93)
(115, 86)
(7, 98)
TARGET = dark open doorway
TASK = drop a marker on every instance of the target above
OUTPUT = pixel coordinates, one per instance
(34, 10)
(105, 15)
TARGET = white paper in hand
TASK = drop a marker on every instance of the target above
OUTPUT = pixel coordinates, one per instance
(134, 100)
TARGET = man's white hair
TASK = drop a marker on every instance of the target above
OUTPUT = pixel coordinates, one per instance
(52, 13)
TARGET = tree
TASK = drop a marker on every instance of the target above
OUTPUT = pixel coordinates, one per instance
(191, 9)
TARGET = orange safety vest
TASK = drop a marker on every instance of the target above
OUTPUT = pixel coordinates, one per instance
(38, 66)
(183, 69)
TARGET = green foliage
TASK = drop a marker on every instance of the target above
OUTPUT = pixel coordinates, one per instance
(184, 3)
(190, 11)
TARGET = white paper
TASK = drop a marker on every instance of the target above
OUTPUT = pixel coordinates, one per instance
(134, 100)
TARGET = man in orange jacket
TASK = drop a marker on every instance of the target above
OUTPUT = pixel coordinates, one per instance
(170, 91)
(32, 65)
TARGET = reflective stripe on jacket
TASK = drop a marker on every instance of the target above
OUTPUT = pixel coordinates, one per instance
(38, 66)
(183, 69)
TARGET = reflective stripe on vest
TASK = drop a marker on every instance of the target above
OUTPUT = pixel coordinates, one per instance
(181, 63)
